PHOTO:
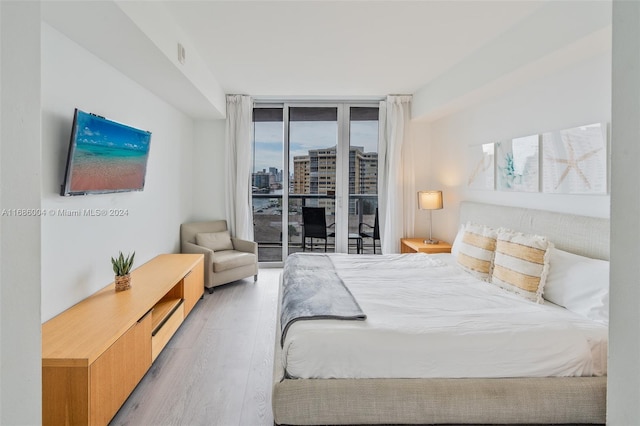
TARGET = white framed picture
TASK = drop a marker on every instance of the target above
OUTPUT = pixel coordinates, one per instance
(481, 166)
(574, 161)
(517, 164)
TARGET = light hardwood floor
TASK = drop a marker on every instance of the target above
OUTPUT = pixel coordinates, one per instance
(217, 369)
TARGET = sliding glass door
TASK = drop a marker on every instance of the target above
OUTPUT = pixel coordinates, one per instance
(269, 182)
(363, 178)
(329, 175)
(313, 144)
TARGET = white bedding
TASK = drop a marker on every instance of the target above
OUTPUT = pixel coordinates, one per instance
(427, 318)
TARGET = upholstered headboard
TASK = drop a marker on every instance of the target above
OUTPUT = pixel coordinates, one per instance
(583, 235)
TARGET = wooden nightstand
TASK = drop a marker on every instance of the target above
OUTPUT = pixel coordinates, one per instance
(417, 245)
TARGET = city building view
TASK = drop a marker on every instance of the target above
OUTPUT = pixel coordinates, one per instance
(266, 182)
(313, 184)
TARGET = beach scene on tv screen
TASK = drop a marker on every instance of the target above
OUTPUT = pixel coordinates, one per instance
(108, 156)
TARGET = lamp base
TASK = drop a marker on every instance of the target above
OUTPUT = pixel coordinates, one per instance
(431, 241)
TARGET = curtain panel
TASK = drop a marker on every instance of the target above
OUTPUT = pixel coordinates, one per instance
(396, 186)
(239, 164)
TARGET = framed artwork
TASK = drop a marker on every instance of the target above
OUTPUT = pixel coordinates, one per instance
(481, 166)
(574, 161)
(517, 164)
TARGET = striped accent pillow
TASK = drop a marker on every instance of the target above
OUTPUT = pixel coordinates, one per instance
(476, 250)
(521, 263)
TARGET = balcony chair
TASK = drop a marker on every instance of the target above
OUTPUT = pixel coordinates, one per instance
(314, 225)
(372, 232)
(226, 258)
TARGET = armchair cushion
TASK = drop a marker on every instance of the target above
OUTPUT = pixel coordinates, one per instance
(231, 259)
(215, 240)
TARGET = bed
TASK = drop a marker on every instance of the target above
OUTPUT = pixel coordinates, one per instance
(320, 382)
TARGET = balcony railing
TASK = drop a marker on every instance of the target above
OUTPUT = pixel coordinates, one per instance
(268, 221)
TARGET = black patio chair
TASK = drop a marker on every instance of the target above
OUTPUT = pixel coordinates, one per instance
(315, 226)
(372, 232)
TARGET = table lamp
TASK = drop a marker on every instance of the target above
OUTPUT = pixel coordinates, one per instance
(430, 200)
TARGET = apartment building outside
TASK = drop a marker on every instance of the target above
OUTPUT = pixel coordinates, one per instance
(315, 173)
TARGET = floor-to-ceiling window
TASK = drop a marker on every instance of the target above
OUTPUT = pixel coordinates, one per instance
(330, 168)
(268, 182)
(363, 176)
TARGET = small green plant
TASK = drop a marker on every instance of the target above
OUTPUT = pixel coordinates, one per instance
(122, 265)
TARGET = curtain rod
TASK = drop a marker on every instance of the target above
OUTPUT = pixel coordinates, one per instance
(282, 100)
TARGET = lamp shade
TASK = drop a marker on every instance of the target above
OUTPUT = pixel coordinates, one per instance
(430, 200)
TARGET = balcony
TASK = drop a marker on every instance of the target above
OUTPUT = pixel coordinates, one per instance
(268, 221)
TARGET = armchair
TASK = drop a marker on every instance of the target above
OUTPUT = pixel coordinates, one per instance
(226, 258)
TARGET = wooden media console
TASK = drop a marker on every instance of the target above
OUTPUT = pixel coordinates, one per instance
(95, 353)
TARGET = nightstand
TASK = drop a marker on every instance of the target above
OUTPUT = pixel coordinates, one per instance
(417, 245)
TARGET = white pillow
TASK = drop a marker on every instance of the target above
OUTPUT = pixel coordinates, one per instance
(580, 284)
(216, 241)
(455, 247)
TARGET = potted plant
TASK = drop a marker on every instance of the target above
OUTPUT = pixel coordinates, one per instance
(122, 267)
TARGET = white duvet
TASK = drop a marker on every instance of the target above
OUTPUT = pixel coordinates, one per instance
(428, 318)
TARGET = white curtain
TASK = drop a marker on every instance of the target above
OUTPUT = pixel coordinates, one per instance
(396, 187)
(239, 162)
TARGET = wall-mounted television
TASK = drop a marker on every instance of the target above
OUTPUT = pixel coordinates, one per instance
(105, 156)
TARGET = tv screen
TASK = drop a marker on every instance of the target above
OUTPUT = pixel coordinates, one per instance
(105, 156)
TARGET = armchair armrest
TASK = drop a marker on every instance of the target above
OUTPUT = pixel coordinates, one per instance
(245, 245)
(208, 258)
(196, 249)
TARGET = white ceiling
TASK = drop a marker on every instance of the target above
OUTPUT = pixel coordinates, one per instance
(448, 54)
(339, 48)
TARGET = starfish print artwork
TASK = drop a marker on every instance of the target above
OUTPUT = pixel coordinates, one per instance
(573, 163)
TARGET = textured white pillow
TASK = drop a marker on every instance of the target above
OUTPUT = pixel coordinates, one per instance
(580, 284)
(476, 250)
(521, 263)
(455, 247)
(216, 241)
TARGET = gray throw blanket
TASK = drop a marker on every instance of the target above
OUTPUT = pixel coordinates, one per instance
(311, 289)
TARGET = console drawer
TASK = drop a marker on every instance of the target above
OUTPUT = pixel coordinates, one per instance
(163, 333)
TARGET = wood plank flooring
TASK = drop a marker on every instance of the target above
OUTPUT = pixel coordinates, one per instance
(217, 369)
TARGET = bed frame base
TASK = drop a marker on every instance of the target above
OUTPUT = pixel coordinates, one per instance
(557, 400)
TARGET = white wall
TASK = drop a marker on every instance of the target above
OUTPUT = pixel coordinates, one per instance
(76, 250)
(522, 51)
(154, 20)
(420, 138)
(623, 387)
(209, 170)
(577, 95)
(20, 348)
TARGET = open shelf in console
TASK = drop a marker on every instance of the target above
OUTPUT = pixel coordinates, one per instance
(161, 312)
